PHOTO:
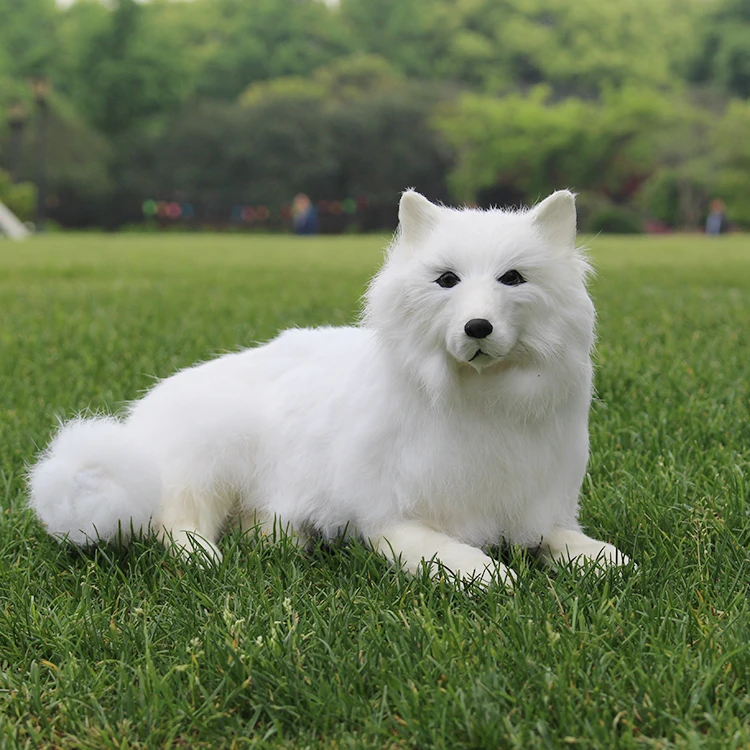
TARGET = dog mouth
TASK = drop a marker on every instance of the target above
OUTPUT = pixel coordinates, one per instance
(482, 360)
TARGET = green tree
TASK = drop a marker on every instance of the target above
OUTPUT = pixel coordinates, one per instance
(382, 138)
(385, 143)
(127, 68)
(577, 47)
(350, 130)
(414, 35)
(684, 165)
(732, 149)
(28, 42)
(723, 56)
(533, 144)
(363, 97)
(358, 76)
(236, 43)
(221, 155)
(77, 162)
(348, 78)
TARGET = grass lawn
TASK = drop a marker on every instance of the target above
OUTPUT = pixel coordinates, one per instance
(331, 648)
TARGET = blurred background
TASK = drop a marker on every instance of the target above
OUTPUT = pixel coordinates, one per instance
(248, 114)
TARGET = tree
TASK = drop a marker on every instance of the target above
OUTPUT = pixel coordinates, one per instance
(497, 45)
(236, 43)
(413, 35)
(531, 144)
(28, 43)
(222, 155)
(723, 56)
(127, 68)
(77, 161)
(245, 102)
(386, 143)
(354, 129)
(732, 149)
(684, 166)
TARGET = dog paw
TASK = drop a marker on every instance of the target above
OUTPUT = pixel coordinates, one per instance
(493, 575)
(484, 572)
(600, 556)
(194, 548)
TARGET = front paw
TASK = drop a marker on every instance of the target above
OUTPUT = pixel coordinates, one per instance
(192, 547)
(599, 555)
(573, 546)
(497, 573)
(484, 572)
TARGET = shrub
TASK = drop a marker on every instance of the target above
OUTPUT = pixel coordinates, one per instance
(588, 205)
(677, 198)
(615, 220)
(660, 198)
(19, 198)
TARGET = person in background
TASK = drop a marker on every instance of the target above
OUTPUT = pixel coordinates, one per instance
(717, 222)
(304, 218)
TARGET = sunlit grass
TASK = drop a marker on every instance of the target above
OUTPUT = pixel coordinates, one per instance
(332, 648)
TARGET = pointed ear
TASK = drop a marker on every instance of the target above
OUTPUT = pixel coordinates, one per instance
(556, 218)
(416, 216)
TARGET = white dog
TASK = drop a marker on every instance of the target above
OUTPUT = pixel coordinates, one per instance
(453, 418)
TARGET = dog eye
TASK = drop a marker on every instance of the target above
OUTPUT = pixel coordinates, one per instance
(512, 278)
(447, 280)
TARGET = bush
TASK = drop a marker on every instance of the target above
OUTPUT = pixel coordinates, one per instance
(660, 198)
(588, 205)
(19, 198)
(677, 198)
(615, 220)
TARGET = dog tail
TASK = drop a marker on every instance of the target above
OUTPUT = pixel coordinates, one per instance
(94, 482)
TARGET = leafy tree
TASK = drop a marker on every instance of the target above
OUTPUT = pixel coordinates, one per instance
(349, 78)
(232, 101)
(732, 150)
(28, 43)
(684, 166)
(386, 143)
(358, 76)
(77, 163)
(373, 138)
(127, 69)
(723, 56)
(237, 43)
(221, 155)
(414, 35)
(534, 144)
(577, 47)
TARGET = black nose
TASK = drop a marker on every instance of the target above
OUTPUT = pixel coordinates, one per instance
(478, 328)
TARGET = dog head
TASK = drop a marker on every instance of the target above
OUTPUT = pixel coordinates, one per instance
(485, 291)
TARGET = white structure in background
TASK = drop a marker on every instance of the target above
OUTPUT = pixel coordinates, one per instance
(10, 225)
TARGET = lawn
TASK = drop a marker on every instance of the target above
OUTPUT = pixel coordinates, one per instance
(330, 648)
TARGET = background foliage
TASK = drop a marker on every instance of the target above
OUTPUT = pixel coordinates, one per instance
(639, 105)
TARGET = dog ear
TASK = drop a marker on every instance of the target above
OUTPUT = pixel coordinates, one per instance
(556, 218)
(416, 216)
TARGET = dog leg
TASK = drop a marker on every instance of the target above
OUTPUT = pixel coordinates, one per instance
(192, 524)
(564, 545)
(414, 545)
(271, 526)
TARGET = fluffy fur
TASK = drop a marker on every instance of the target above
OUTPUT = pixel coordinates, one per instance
(426, 441)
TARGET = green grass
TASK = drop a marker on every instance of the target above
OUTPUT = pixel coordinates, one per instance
(331, 648)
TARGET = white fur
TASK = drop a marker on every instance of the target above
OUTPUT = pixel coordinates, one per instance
(94, 481)
(385, 430)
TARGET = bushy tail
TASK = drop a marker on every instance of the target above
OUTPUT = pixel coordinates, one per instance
(94, 482)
